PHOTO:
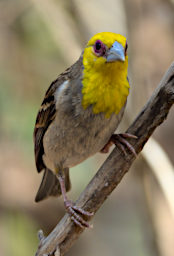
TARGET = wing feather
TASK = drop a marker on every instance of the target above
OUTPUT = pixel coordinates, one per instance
(45, 116)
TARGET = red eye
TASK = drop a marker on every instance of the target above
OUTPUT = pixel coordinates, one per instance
(99, 48)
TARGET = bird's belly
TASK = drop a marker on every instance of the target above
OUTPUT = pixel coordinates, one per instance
(69, 142)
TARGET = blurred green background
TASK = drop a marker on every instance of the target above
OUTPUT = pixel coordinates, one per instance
(38, 40)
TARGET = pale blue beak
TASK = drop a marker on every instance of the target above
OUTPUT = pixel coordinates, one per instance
(116, 53)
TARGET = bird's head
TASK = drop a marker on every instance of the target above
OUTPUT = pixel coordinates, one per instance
(105, 64)
(106, 50)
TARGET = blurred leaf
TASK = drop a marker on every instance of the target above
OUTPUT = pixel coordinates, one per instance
(19, 234)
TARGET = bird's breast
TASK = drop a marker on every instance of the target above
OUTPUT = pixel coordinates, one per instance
(70, 140)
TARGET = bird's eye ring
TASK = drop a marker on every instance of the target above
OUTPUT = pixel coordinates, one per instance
(99, 48)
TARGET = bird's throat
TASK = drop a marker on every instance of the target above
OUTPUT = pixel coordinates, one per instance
(105, 88)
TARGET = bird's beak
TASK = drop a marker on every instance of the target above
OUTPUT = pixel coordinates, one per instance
(116, 53)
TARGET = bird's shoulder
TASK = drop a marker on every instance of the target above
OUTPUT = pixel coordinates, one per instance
(47, 111)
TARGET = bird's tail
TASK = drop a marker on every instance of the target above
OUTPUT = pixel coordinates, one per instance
(50, 185)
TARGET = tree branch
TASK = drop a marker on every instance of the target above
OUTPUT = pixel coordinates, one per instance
(114, 168)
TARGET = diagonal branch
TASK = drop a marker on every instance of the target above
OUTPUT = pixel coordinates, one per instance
(114, 168)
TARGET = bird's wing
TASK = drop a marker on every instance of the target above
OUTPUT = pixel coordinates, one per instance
(47, 111)
(45, 116)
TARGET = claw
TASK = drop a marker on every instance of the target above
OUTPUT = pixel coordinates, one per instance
(121, 147)
(75, 217)
(76, 213)
(120, 141)
(83, 212)
(128, 135)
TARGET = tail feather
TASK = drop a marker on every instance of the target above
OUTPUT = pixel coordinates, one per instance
(50, 185)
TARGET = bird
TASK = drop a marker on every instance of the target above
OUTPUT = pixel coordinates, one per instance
(79, 114)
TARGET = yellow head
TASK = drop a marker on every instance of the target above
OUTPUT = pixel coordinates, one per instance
(105, 84)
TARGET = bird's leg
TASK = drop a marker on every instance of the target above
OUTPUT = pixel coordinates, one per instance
(106, 147)
(74, 211)
(120, 141)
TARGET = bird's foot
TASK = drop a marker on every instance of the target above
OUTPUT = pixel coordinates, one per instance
(76, 214)
(120, 141)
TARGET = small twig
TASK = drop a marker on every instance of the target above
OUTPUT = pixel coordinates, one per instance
(40, 235)
(115, 166)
